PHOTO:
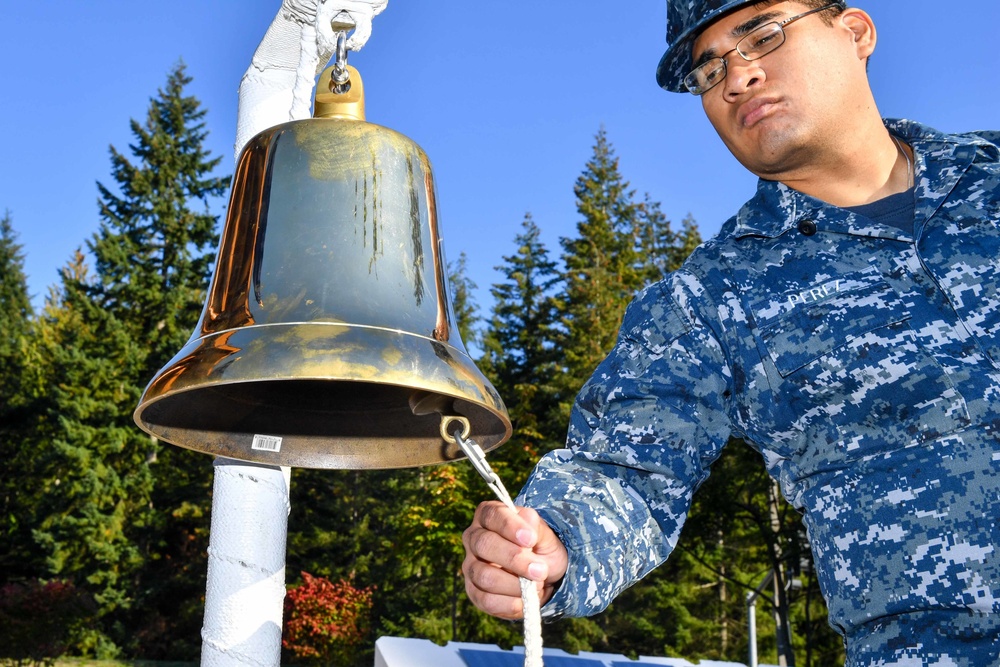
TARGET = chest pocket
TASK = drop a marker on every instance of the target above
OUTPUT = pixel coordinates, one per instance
(848, 361)
(968, 270)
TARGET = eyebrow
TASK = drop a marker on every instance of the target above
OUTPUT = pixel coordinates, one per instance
(739, 31)
(755, 22)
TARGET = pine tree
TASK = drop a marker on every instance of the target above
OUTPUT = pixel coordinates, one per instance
(521, 354)
(93, 462)
(19, 558)
(601, 273)
(153, 254)
(153, 251)
(685, 243)
(15, 316)
(129, 518)
(655, 241)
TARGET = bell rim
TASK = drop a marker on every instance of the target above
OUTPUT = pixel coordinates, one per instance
(188, 371)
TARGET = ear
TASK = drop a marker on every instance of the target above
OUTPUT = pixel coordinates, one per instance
(863, 28)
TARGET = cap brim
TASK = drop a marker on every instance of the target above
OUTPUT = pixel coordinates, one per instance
(676, 62)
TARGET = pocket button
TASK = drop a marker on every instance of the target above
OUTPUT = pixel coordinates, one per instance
(807, 227)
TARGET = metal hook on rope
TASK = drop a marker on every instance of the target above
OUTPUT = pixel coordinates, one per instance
(340, 78)
(529, 594)
(475, 453)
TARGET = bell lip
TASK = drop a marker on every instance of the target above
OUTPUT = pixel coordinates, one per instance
(194, 366)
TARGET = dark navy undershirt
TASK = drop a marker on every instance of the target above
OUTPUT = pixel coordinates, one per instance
(895, 210)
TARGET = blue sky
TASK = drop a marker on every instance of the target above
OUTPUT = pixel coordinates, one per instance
(505, 97)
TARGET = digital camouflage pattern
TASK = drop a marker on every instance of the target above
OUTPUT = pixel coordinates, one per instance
(861, 362)
(685, 20)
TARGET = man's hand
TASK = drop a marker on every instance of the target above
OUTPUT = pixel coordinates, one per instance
(501, 546)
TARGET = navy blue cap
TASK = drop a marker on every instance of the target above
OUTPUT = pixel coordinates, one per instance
(685, 21)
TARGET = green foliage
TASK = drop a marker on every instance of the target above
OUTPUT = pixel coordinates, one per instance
(153, 251)
(601, 265)
(93, 461)
(152, 255)
(521, 354)
(15, 318)
(325, 621)
(463, 299)
(19, 556)
(122, 519)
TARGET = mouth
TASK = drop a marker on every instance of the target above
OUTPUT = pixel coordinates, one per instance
(753, 111)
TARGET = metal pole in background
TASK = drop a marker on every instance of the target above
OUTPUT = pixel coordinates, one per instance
(752, 615)
(752, 621)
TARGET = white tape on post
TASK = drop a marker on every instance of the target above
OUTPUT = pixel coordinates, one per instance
(246, 565)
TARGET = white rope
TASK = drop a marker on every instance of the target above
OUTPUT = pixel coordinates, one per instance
(529, 593)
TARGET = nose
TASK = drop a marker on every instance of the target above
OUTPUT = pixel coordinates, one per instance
(741, 76)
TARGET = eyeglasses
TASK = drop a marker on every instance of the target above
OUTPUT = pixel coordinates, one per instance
(756, 44)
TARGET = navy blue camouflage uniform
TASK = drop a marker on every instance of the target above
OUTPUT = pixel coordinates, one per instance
(862, 361)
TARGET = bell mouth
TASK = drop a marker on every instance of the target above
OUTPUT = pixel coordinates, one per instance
(319, 395)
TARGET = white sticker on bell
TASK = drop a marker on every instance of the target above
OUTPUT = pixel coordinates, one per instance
(267, 443)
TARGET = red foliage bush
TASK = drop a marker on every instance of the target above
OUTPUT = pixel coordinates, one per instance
(325, 621)
(37, 620)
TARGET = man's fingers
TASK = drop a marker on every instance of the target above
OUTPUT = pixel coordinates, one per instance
(491, 579)
(502, 545)
(508, 607)
(495, 548)
(498, 518)
(488, 584)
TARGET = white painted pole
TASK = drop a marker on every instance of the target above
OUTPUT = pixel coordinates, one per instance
(752, 616)
(246, 569)
(246, 565)
(244, 598)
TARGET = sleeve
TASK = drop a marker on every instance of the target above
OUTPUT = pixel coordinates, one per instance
(643, 432)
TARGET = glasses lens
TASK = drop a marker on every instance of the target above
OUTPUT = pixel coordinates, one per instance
(706, 76)
(761, 41)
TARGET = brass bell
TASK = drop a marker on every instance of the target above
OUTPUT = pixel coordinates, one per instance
(328, 339)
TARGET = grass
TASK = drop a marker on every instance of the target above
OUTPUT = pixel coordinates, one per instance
(84, 662)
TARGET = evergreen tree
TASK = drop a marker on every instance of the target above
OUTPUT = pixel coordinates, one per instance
(685, 243)
(15, 317)
(93, 463)
(153, 251)
(521, 354)
(153, 254)
(18, 556)
(108, 333)
(463, 300)
(656, 241)
(601, 267)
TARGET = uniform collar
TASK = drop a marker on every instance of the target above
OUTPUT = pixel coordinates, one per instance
(939, 162)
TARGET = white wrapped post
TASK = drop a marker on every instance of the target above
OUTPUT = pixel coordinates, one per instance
(278, 85)
(246, 565)
(250, 506)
